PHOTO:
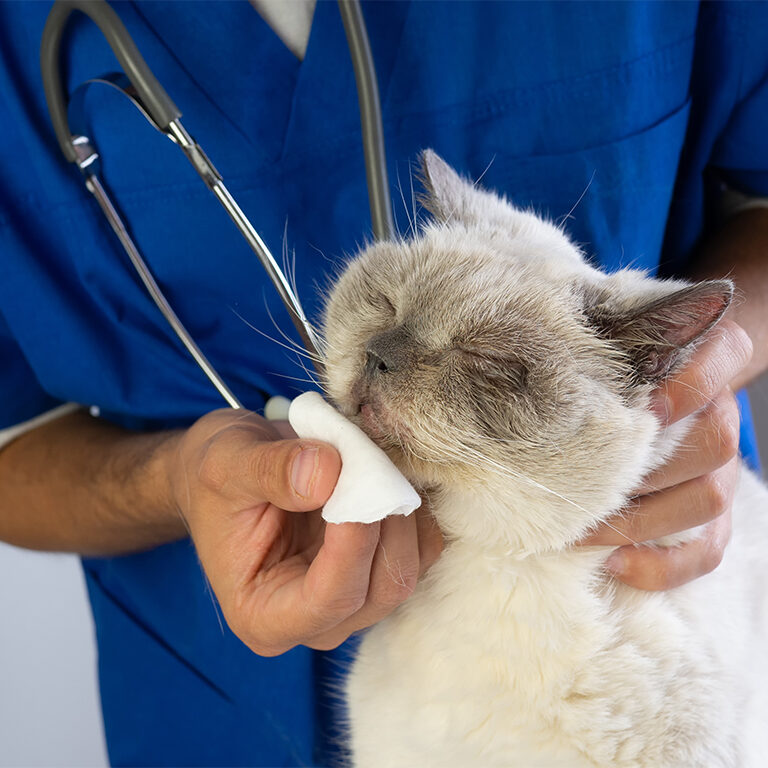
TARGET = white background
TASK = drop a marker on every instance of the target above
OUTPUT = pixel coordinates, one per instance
(49, 713)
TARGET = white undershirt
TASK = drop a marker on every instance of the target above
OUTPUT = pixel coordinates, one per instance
(291, 21)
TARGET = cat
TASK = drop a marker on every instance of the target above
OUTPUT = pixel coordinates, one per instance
(510, 382)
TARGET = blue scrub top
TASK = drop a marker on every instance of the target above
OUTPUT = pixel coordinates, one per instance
(637, 111)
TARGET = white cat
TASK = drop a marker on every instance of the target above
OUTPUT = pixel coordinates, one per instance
(509, 381)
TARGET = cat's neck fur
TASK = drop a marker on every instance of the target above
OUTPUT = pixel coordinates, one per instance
(486, 613)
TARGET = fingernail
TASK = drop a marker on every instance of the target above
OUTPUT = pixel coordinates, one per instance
(616, 562)
(303, 471)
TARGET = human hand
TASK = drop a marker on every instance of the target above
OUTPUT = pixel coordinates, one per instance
(696, 486)
(284, 577)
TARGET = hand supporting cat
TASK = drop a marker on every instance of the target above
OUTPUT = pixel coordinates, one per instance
(696, 485)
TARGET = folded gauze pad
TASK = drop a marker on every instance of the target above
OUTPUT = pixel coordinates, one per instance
(370, 487)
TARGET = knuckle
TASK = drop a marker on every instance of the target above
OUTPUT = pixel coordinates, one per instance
(663, 576)
(240, 629)
(724, 430)
(268, 651)
(715, 493)
(656, 578)
(337, 607)
(326, 644)
(397, 586)
(266, 467)
(666, 581)
(712, 557)
(652, 569)
(259, 640)
(259, 643)
(631, 522)
(740, 344)
(363, 546)
(218, 455)
(212, 472)
(700, 385)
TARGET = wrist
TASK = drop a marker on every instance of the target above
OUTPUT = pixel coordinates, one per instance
(151, 481)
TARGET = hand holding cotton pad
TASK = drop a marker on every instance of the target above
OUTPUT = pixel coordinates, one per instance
(369, 487)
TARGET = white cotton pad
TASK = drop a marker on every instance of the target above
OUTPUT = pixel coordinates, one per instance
(370, 487)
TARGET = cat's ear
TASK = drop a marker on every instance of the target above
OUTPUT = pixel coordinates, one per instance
(655, 335)
(451, 198)
(444, 188)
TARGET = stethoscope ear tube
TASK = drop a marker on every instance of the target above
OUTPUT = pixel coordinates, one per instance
(382, 219)
(150, 98)
(154, 99)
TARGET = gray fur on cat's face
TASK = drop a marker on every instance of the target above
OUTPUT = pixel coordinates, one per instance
(485, 355)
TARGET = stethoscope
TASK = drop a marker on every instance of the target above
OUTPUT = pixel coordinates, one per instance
(149, 97)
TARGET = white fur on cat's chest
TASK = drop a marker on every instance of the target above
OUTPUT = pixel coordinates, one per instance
(538, 662)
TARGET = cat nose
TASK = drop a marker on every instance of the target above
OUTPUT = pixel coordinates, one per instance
(375, 364)
(387, 352)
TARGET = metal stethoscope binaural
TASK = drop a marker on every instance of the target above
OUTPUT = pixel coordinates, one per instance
(145, 92)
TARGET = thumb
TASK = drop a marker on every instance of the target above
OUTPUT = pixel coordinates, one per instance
(296, 475)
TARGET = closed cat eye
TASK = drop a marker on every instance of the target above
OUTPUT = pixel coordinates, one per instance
(381, 301)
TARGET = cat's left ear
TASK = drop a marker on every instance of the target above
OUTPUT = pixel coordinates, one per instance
(451, 198)
(656, 335)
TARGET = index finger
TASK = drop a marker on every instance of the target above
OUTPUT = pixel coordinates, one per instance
(725, 352)
(293, 604)
(661, 568)
(336, 583)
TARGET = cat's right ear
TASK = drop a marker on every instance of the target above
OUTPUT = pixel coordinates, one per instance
(444, 189)
(451, 198)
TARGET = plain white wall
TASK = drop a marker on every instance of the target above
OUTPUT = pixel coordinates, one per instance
(49, 704)
(49, 712)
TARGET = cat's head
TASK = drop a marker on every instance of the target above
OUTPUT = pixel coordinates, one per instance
(499, 369)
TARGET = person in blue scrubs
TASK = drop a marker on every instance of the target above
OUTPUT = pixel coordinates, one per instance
(623, 119)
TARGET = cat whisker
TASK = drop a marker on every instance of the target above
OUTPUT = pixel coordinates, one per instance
(415, 207)
(508, 472)
(561, 222)
(411, 222)
(621, 533)
(487, 168)
(302, 380)
(319, 357)
(706, 400)
(289, 265)
(289, 347)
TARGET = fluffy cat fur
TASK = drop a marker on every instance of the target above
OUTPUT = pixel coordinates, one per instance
(509, 380)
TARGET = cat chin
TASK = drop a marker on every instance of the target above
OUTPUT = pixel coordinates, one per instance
(533, 510)
(514, 524)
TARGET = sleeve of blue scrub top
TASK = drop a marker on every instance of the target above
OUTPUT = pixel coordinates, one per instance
(21, 396)
(741, 150)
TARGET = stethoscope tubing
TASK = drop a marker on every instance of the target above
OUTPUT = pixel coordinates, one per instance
(146, 93)
(379, 200)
